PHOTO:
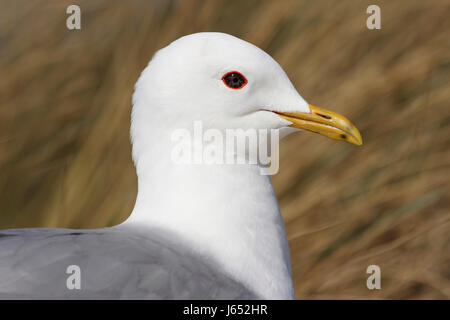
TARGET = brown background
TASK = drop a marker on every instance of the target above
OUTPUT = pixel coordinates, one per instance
(65, 110)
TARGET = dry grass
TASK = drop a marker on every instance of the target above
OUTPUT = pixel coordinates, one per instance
(65, 110)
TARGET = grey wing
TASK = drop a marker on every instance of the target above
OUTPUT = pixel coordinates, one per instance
(109, 264)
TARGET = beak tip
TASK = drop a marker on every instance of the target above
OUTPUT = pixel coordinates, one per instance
(358, 139)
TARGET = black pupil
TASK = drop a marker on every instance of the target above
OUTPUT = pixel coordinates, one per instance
(234, 80)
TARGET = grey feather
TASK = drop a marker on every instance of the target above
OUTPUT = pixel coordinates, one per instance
(115, 263)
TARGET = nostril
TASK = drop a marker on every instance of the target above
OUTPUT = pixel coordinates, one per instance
(343, 136)
(323, 116)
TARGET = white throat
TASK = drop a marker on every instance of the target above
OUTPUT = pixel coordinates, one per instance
(228, 213)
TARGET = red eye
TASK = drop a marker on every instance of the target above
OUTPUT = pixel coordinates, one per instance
(234, 80)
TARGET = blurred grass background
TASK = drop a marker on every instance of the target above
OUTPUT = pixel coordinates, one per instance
(65, 101)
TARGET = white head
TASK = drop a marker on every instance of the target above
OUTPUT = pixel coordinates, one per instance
(185, 82)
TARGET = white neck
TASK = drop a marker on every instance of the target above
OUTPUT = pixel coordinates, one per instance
(227, 212)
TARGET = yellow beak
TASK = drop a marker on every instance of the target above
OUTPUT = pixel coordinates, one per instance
(325, 122)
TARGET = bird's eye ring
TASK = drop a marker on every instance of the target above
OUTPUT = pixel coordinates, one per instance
(234, 80)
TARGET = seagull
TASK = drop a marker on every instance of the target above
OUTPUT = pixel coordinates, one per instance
(198, 230)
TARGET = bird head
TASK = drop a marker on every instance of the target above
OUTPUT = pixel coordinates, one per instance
(227, 83)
